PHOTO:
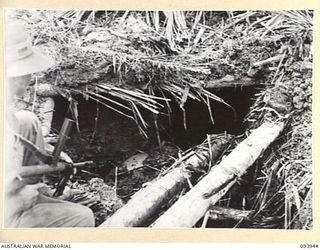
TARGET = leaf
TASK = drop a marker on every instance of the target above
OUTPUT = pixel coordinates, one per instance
(135, 161)
(185, 96)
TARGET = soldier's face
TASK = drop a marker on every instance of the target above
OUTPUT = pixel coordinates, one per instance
(18, 84)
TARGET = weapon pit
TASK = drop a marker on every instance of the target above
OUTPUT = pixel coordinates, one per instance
(108, 137)
(111, 140)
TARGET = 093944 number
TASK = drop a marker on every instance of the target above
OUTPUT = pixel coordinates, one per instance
(308, 246)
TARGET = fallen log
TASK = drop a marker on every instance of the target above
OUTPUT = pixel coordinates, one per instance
(248, 216)
(146, 203)
(190, 208)
(221, 213)
(230, 81)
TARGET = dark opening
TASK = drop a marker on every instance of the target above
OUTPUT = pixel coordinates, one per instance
(198, 119)
(114, 137)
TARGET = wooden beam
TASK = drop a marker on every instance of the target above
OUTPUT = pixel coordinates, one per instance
(230, 81)
(190, 208)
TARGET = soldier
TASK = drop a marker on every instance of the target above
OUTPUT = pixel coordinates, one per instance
(26, 207)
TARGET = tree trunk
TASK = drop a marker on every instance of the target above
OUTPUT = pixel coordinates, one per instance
(147, 202)
(192, 206)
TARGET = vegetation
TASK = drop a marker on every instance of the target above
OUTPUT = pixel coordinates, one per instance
(134, 60)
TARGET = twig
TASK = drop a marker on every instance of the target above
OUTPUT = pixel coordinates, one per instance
(179, 161)
(157, 131)
(148, 166)
(95, 123)
(115, 180)
(205, 219)
(35, 94)
(210, 151)
(278, 68)
(269, 60)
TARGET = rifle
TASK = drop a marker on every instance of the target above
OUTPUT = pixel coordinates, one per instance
(30, 171)
(52, 165)
(23, 173)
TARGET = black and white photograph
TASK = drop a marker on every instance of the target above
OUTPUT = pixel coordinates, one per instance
(158, 119)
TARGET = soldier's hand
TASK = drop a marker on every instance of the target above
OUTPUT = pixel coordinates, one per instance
(19, 201)
(66, 158)
(27, 196)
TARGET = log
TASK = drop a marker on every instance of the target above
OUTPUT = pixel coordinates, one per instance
(221, 213)
(147, 202)
(230, 82)
(190, 208)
